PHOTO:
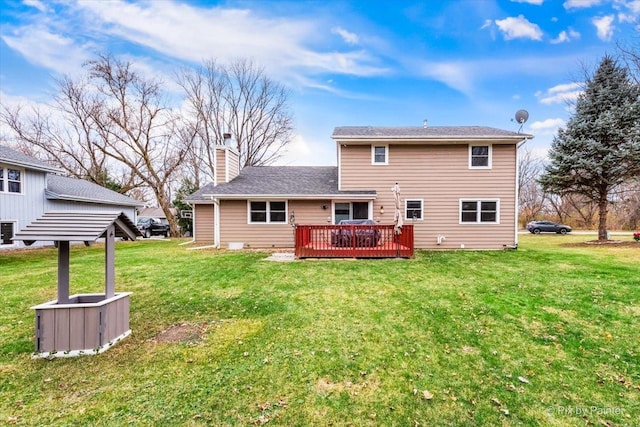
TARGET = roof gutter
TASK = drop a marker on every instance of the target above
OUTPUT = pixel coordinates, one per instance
(55, 196)
(285, 196)
(32, 166)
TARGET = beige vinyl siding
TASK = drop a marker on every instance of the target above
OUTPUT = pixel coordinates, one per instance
(226, 158)
(233, 164)
(220, 166)
(203, 223)
(234, 226)
(440, 175)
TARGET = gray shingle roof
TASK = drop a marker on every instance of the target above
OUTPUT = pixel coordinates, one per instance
(292, 181)
(65, 188)
(11, 156)
(76, 226)
(422, 132)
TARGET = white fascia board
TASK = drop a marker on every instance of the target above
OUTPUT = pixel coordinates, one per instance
(287, 196)
(451, 139)
(54, 196)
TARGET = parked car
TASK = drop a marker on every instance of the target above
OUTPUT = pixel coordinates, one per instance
(149, 226)
(364, 236)
(537, 227)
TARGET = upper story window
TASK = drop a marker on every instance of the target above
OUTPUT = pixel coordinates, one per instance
(479, 211)
(480, 156)
(413, 208)
(379, 154)
(267, 212)
(10, 180)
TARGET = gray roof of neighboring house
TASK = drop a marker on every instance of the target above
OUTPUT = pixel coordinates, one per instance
(290, 181)
(65, 188)
(11, 156)
(76, 226)
(413, 132)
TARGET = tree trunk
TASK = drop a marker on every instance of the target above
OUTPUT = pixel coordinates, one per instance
(603, 204)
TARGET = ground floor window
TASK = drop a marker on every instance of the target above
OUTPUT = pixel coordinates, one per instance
(413, 209)
(350, 210)
(268, 212)
(484, 211)
(6, 233)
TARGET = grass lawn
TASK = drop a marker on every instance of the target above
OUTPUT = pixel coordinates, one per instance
(548, 334)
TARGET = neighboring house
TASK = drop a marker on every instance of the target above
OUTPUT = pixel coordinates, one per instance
(30, 187)
(458, 188)
(156, 213)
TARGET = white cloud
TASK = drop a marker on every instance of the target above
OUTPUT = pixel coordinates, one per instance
(563, 93)
(300, 152)
(44, 48)
(536, 2)
(547, 126)
(37, 4)
(604, 26)
(455, 75)
(576, 4)
(519, 27)
(348, 37)
(281, 45)
(566, 36)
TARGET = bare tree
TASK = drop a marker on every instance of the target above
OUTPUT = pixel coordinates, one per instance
(239, 99)
(136, 130)
(65, 134)
(532, 198)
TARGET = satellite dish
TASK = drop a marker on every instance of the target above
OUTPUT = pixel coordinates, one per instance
(522, 116)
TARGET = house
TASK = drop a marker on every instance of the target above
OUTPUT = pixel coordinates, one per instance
(458, 188)
(30, 187)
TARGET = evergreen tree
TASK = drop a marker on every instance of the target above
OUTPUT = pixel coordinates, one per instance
(187, 187)
(600, 147)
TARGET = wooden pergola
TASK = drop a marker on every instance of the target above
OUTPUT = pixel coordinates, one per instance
(84, 323)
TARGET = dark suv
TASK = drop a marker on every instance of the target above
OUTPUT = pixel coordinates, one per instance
(152, 227)
(537, 227)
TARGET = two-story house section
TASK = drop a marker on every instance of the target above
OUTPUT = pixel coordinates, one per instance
(30, 187)
(458, 184)
(458, 188)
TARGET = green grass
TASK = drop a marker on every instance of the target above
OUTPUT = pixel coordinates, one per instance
(338, 342)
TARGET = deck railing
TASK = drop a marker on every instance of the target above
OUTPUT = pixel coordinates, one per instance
(353, 241)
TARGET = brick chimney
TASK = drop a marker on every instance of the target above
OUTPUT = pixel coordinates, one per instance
(227, 160)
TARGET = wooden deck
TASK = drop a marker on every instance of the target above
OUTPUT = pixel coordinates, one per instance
(353, 241)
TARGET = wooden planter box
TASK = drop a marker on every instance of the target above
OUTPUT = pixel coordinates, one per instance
(87, 324)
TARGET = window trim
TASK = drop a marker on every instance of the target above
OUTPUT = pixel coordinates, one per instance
(14, 231)
(373, 154)
(479, 211)
(490, 159)
(5, 179)
(268, 212)
(407, 218)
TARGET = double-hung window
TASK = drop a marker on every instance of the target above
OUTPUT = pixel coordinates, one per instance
(379, 154)
(480, 156)
(11, 180)
(486, 211)
(413, 209)
(268, 212)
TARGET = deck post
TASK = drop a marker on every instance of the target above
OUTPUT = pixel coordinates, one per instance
(63, 272)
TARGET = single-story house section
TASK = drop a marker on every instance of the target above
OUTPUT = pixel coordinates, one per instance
(30, 187)
(458, 188)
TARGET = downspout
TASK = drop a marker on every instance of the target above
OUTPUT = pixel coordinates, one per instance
(216, 223)
(517, 193)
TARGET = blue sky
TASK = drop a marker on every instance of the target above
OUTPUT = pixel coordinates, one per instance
(378, 63)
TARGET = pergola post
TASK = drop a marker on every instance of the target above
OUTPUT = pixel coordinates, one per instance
(109, 262)
(63, 272)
